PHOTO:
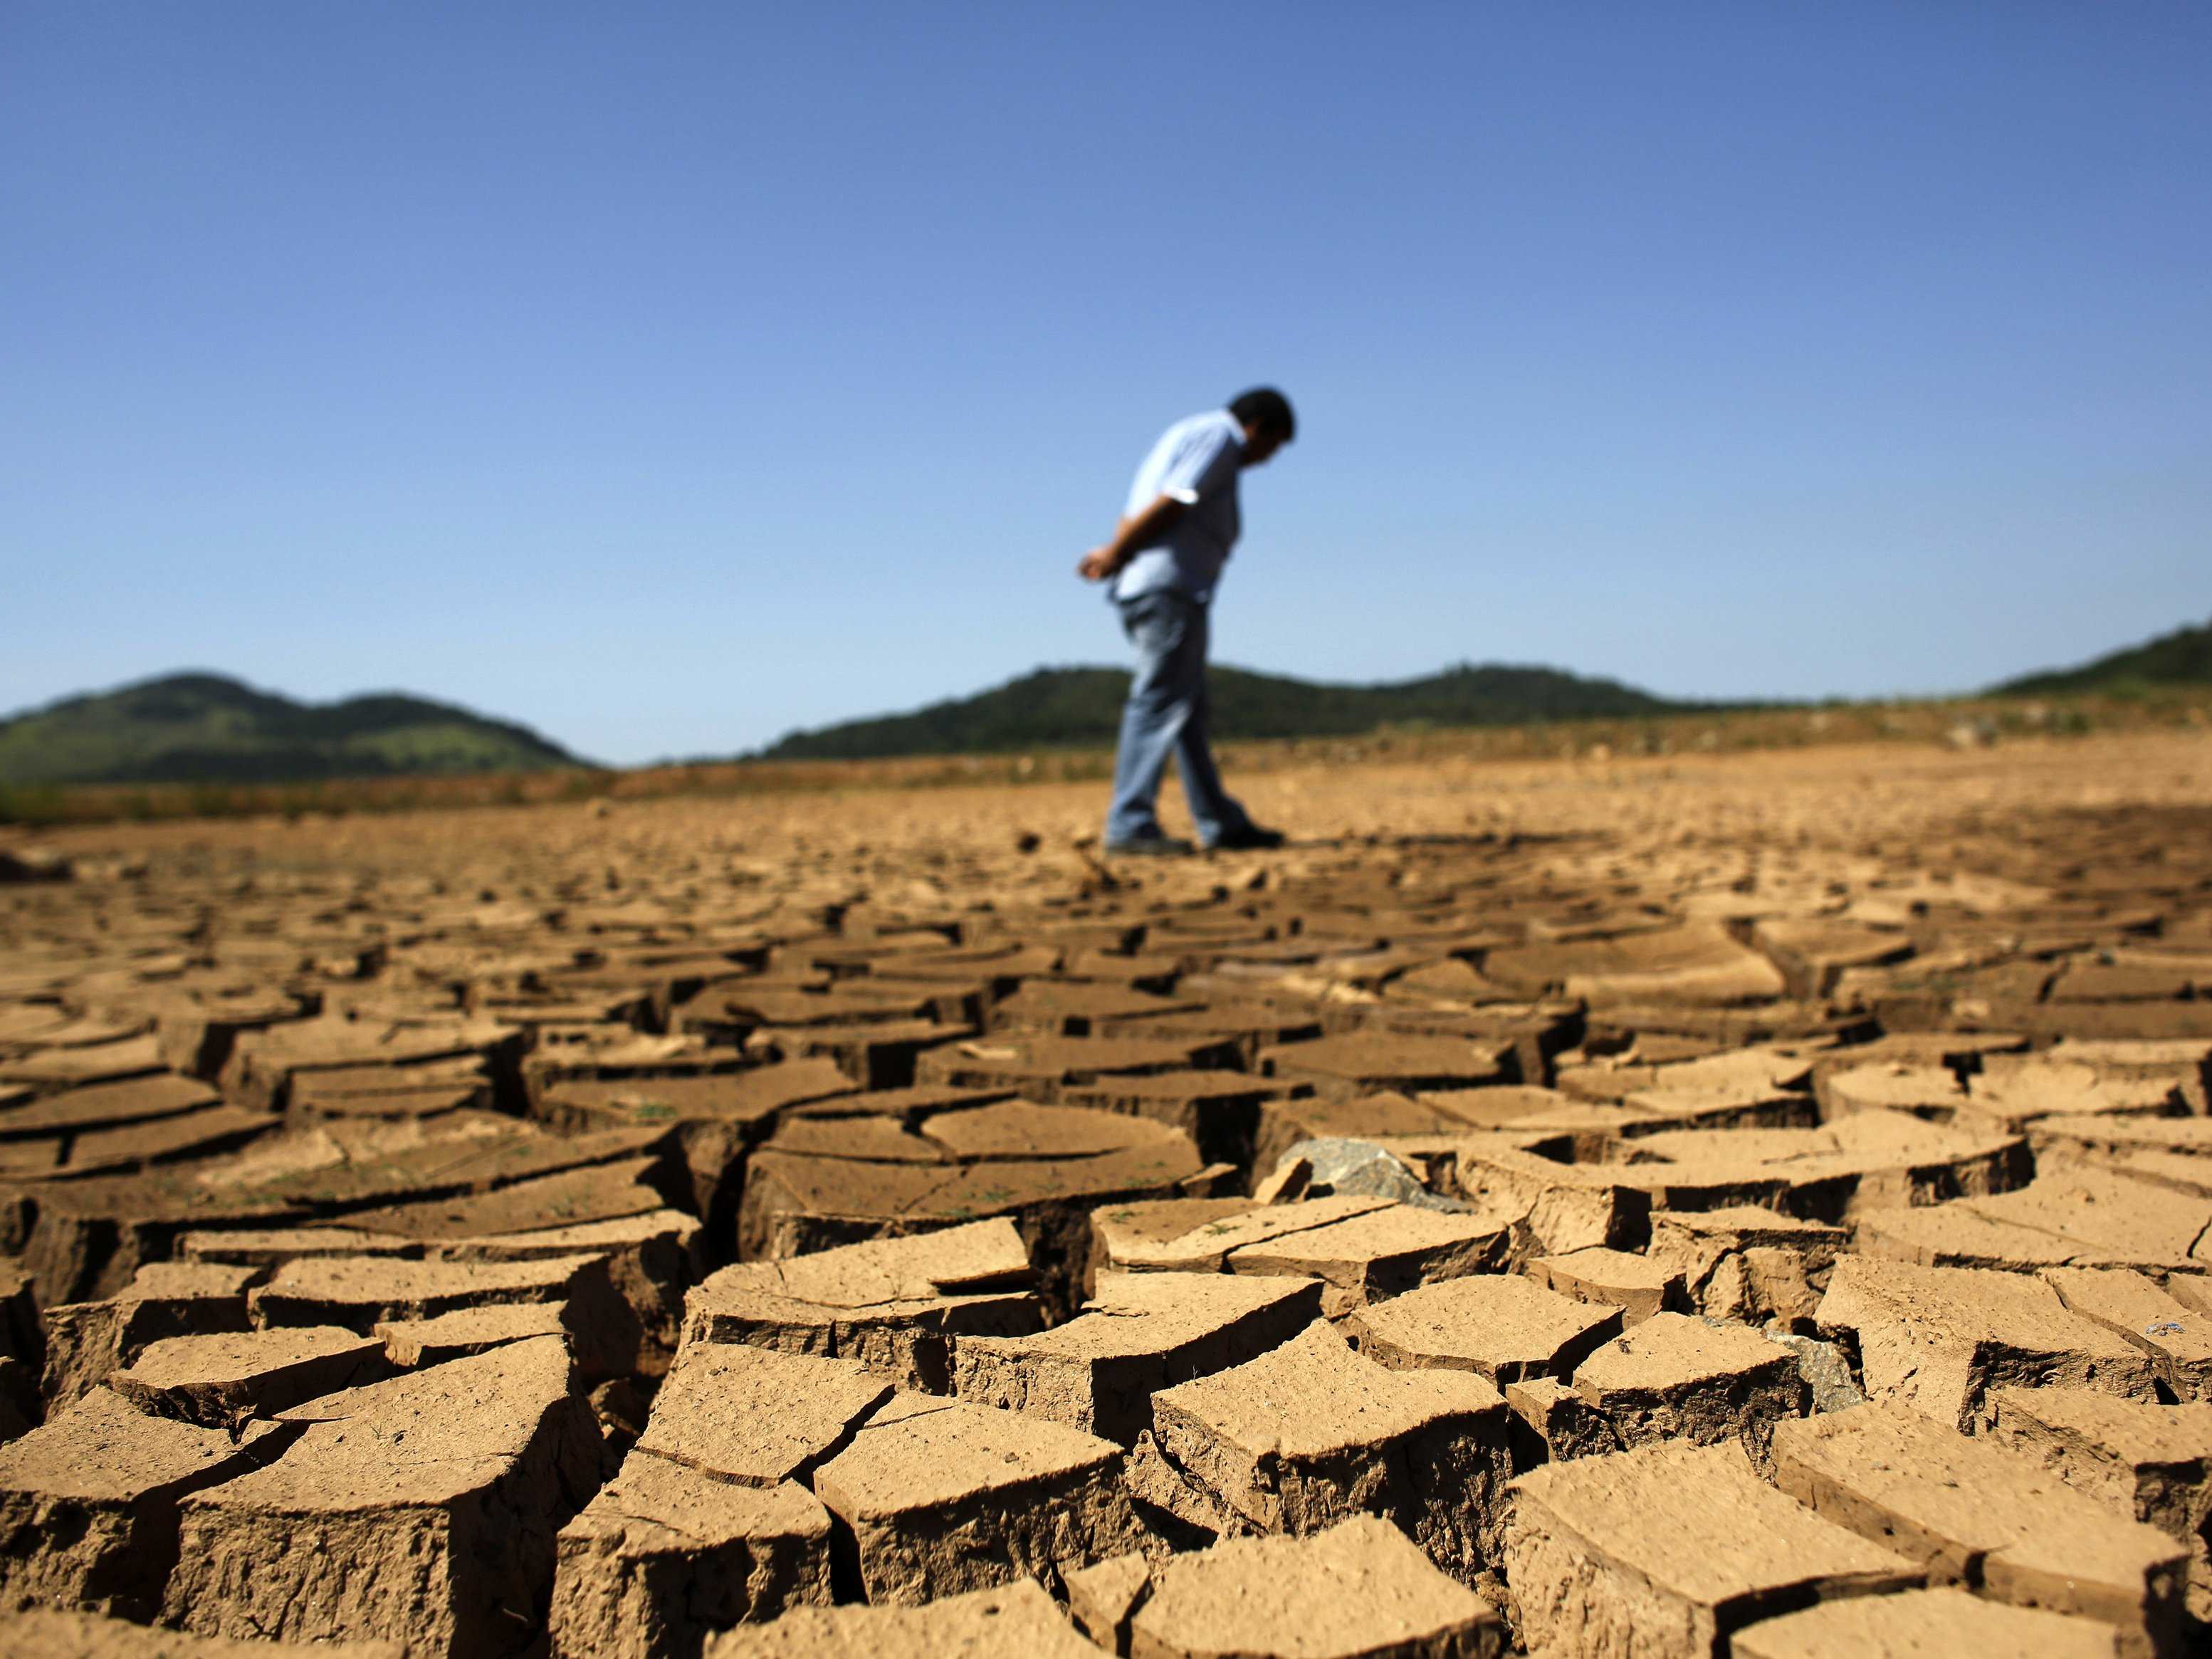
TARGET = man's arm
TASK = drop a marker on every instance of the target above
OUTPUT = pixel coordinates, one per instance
(1138, 531)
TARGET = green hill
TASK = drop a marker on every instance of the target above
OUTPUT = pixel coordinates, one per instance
(2181, 658)
(1055, 707)
(205, 728)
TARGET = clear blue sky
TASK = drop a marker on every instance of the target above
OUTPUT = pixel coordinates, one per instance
(668, 376)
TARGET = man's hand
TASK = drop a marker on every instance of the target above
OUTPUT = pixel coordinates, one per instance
(1098, 565)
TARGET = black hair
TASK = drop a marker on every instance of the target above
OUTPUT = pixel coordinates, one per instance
(1267, 409)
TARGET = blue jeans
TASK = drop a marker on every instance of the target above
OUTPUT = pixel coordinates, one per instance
(1167, 713)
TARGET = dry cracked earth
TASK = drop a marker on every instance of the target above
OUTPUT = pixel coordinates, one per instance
(1757, 1205)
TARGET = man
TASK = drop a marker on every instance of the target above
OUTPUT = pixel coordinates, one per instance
(1163, 564)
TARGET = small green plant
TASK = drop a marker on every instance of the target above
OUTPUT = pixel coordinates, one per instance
(33, 804)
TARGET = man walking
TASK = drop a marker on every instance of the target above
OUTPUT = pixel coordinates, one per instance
(1163, 564)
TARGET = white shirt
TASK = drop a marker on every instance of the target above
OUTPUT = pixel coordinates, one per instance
(1195, 462)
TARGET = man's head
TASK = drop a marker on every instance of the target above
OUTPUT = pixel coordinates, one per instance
(1265, 415)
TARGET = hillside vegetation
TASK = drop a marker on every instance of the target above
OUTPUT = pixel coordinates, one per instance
(206, 728)
(205, 742)
(1065, 707)
(2181, 658)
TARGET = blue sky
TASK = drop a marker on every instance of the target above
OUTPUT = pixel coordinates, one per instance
(671, 376)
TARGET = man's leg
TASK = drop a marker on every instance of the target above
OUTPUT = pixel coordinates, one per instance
(1212, 809)
(1161, 697)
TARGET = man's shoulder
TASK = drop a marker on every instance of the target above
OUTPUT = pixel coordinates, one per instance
(1196, 456)
(1205, 435)
(1206, 422)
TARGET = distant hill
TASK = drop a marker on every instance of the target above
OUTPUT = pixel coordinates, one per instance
(1062, 707)
(205, 728)
(2181, 658)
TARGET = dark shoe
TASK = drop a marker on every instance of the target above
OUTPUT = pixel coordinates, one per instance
(1154, 845)
(1250, 839)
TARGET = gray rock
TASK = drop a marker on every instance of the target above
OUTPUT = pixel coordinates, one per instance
(1823, 1367)
(1344, 1168)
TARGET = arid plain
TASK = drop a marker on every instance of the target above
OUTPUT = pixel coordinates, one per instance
(1752, 1204)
